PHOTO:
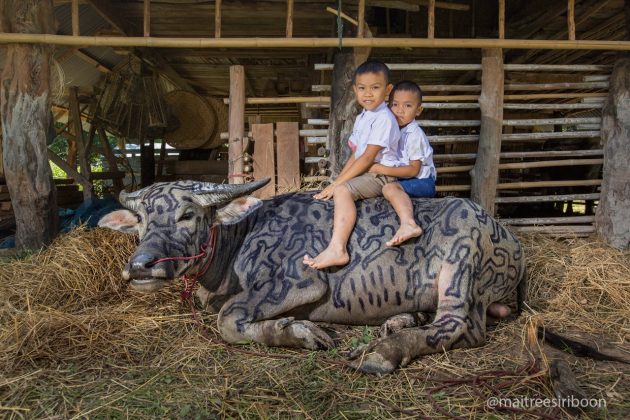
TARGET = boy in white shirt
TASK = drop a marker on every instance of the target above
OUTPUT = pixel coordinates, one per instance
(416, 153)
(374, 139)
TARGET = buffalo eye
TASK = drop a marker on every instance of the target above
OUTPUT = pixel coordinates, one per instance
(138, 218)
(189, 215)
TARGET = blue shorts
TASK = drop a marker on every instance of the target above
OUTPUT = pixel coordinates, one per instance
(418, 188)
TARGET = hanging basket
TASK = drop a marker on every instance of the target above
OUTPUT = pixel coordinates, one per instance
(197, 120)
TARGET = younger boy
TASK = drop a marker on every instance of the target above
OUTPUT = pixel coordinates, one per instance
(419, 175)
(374, 139)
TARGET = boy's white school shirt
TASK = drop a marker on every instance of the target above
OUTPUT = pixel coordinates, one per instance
(378, 127)
(414, 145)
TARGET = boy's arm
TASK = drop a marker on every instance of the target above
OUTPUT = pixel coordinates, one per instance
(352, 169)
(408, 171)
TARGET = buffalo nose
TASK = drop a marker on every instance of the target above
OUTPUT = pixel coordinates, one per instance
(141, 262)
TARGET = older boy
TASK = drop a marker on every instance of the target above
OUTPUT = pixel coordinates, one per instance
(374, 139)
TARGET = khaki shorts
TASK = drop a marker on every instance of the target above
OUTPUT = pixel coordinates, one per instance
(368, 185)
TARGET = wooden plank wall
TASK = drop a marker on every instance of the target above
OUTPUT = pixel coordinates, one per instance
(264, 158)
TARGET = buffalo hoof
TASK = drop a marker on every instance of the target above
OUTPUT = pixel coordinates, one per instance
(396, 323)
(380, 356)
(306, 334)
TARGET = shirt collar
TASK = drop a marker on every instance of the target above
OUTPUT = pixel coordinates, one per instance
(411, 127)
(377, 109)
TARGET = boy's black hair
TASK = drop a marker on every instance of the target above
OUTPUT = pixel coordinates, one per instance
(406, 86)
(375, 67)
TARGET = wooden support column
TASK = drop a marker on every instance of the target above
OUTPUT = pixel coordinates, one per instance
(361, 19)
(264, 158)
(613, 212)
(342, 110)
(111, 159)
(147, 18)
(217, 19)
(485, 173)
(571, 19)
(75, 18)
(501, 19)
(147, 162)
(25, 105)
(236, 128)
(81, 143)
(431, 20)
(289, 18)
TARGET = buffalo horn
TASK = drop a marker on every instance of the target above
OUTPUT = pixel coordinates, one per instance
(209, 194)
(130, 200)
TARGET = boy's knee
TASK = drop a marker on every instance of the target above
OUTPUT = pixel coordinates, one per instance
(391, 188)
(342, 190)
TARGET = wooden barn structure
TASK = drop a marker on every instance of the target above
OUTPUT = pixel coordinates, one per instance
(526, 101)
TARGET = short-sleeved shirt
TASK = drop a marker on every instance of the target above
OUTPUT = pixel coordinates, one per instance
(377, 127)
(414, 145)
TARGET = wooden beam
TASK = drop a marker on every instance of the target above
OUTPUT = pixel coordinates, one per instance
(289, 31)
(431, 20)
(236, 124)
(104, 8)
(217, 19)
(571, 19)
(264, 159)
(501, 19)
(361, 19)
(146, 20)
(75, 18)
(93, 61)
(485, 174)
(165, 42)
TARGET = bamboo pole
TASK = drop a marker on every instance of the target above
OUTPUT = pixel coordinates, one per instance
(594, 105)
(547, 220)
(343, 16)
(501, 19)
(512, 86)
(155, 42)
(524, 185)
(552, 121)
(289, 32)
(361, 19)
(469, 67)
(527, 165)
(571, 19)
(236, 124)
(519, 155)
(557, 230)
(147, 18)
(217, 19)
(431, 20)
(75, 18)
(547, 198)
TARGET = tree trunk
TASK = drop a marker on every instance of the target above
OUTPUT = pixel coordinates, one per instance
(613, 212)
(485, 173)
(25, 107)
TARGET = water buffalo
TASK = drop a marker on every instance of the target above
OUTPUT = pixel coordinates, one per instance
(463, 265)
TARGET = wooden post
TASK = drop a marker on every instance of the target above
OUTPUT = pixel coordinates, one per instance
(613, 212)
(75, 18)
(501, 19)
(264, 158)
(288, 164)
(217, 19)
(289, 18)
(431, 20)
(343, 110)
(147, 162)
(571, 19)
(236, 127)
(75, 113)
(361, 19)
(147, 18)
(25, 106)
(485, 173)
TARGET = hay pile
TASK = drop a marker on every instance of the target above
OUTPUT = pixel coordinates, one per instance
(75, 342)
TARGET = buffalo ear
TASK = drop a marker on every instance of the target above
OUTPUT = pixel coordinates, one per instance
(238, 210)
(121, 220)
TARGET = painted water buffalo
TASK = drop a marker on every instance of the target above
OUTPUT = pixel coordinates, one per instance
(464, 265)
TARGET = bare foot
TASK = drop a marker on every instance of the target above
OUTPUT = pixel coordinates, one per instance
(327, 258)
(404, 233)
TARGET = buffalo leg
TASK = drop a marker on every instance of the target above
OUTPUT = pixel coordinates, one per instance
(249, 315)
(459, 323)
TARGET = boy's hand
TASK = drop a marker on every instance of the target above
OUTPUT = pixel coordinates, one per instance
(326, 193)
(376, 168)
